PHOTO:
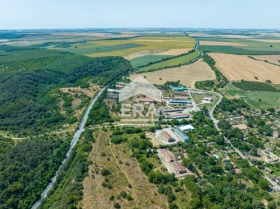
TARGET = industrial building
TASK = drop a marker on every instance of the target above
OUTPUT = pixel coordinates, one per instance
(179, 102)
(177, 116)
(166, 155)
(181, 135)
(186, 128)
(179, 168)
(180, 88)
(207, 100)
(181, 93)
(181, 97)
(166, 136)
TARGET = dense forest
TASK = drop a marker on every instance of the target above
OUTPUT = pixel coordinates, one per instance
(67, 192)
(26, 169)
(29, 80)
(28, 76)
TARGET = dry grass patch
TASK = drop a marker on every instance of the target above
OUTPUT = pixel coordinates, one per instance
(187, 74)
(275, 59)
(220, 43)
(124, 171)
(238, 67)
(175, 52)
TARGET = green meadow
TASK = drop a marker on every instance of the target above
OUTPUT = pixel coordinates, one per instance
(256, 99)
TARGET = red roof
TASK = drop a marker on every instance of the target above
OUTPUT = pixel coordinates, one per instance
(165, 135)
(145, 99)
(167, 155)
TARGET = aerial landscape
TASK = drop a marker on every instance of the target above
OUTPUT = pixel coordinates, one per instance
(119, 113)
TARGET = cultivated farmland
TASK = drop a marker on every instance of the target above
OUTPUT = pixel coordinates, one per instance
(238, 67)
(172, 62)
(275, 59)
(187, 74)
(220, 43)
(131, 47)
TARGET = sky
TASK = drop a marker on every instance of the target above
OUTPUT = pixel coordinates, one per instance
(55, 14)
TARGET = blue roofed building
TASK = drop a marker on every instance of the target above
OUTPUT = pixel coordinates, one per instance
(181, 135)
(180, 88)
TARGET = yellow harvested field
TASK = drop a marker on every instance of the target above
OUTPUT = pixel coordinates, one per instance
(187, 74)
(141, 53)
(175, 52)
(220, 43)
(270, 58)
(237, 67)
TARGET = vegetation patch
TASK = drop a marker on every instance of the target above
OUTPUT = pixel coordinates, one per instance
(255, 86)
(27, 101)
(173, 62)
(256, 99)
(147, 60)
(26, 168)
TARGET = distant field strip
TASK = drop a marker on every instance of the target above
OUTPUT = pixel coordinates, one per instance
(175, 51)
(172, 62)
(187, 74)
(238, 67)
(220, 43)
(140, 61)
(131, 47)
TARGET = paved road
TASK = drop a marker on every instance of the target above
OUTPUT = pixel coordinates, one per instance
(72, 145)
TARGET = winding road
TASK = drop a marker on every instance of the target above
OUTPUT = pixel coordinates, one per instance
(216, 121)
(72, 145)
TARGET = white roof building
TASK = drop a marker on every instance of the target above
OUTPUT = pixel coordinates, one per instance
(186, 128)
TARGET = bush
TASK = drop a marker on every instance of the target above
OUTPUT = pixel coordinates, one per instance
(117, 205)
(105, 172)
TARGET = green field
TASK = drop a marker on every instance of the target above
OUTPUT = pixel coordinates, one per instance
(256, 99)
(126, 46)
(144, 60)
(172, 62)
(251, 46)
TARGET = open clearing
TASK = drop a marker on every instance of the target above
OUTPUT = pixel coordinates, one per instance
(238, 67)
(187, 74)
(124, 171)
(275, 59)
(220, 43)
